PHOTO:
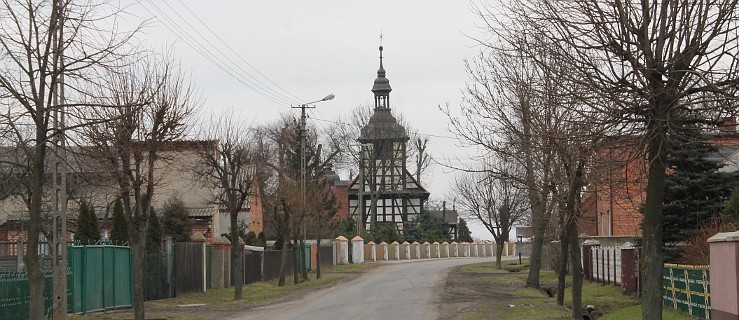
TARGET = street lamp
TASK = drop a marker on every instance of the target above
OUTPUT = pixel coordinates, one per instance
(302, 137)
(518, 243)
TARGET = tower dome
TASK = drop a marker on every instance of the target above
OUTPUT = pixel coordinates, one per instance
(382, 84)
(382, 125)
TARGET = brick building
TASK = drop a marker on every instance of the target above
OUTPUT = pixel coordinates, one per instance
(611, 207)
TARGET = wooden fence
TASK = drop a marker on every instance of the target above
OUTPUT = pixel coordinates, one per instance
(189, 267)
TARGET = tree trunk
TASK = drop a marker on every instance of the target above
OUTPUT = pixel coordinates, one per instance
(318, 251)
(283, 262)
(651, 264)
(540, 224)
(562, 263)
(577, 273)
(137, 243)
(296, 263)
(303, 265)
(573, 214)
(33, 265)
(236, 257)
(499, 245)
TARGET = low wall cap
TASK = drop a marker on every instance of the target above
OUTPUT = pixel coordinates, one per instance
(371, 242)
(591, 242)
(426, 242)
(415, 242)
(341, 238)
(445, 242)
(435, 242)
(405, 242)
(357, 238)
(395, 242)
(454, 242)
(627, 245)
(725, 237)
(197, 237)
(385, 243)
(220, 241)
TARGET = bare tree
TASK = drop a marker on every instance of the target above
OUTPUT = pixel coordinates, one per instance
(280, 185)
(498, 204)
(508, 114)
(229, 168)
(151, 105)
(41, 43)
(652, 61)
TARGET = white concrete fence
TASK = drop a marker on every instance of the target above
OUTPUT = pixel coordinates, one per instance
(372, 252)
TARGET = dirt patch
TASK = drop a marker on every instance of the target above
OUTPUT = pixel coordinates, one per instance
(464, 292)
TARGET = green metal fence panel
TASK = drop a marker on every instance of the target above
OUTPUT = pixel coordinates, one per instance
(122, 285)
(687, 289)
(15, 295)
(101, 277)
(307, 257)
(93, 286)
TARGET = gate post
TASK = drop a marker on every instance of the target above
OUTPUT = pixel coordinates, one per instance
(629, 267)
(724, 275)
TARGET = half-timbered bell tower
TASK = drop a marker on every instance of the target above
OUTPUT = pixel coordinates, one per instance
(384, 194)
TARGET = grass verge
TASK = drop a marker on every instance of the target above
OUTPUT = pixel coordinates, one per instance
(217, 300)
(532, 304)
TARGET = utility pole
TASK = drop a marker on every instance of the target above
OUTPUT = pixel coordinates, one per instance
(302, 161)
(59, 172)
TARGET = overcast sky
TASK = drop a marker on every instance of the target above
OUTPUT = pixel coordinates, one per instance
(300, 51)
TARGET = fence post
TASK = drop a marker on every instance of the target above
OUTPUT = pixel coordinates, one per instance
(20, 266)
(357, 250)
(723, 273)
(587, 257)
(395, 250)
(343, 251)
(220, 277)
(628, 268)
(169, 246)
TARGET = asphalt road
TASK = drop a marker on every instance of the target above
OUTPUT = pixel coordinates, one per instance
(407, 291)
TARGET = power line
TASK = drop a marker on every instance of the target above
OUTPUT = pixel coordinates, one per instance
(237, 54)
(181, 33)
(232, 62)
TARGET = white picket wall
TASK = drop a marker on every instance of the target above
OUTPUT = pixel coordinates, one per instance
(606, 264)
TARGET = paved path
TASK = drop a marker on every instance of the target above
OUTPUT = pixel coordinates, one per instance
(394, 291)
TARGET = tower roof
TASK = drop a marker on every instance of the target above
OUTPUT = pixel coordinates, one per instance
(383, 125)
(382, 84)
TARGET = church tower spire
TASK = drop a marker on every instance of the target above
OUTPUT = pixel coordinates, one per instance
(382, 88)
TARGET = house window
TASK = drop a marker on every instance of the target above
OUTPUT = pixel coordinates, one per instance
(605, 223)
